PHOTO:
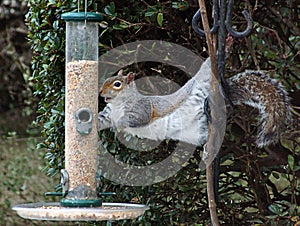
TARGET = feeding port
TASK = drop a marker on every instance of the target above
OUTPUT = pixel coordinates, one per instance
(80, 201)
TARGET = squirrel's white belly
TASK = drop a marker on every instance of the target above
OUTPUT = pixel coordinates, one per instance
(189, 131)
(188, 123)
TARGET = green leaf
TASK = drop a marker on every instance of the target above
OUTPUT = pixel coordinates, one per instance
(123, 25)
(291, 162)
(275, 175)
(180, 5)
(149, 14)
(274, 209)
(160, 18)
(151, 11)
(40, 146)
(110, 9)
(117, 27)
(55, 24)
(51, 2)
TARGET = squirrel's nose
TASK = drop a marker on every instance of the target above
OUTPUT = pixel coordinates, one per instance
(102, 92)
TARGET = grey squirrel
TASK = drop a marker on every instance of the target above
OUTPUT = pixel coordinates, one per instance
(181, 116)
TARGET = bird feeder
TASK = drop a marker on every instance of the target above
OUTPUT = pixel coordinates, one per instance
(81, 107)
(80, 201)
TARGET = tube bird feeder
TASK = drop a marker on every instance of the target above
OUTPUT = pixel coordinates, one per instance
(81, 107)
(80, 201)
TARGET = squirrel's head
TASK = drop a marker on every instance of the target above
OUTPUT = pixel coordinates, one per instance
(115, 85)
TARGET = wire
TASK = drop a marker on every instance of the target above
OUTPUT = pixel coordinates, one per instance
(85, 12)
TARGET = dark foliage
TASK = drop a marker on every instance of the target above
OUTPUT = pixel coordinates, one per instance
(14, 56)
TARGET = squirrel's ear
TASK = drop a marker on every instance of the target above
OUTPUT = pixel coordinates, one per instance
(129, 77)
(120, 72)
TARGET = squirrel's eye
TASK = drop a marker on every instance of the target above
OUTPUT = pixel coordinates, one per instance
(117, 84)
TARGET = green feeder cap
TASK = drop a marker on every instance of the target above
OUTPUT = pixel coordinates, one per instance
(82, 16)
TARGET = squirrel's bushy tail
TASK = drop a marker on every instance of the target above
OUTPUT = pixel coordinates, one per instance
(256, 89)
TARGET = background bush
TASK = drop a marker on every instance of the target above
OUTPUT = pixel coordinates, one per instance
(16, 99)
(256, 185)
(14, 56)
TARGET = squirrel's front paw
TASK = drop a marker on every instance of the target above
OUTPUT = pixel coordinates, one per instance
(104, 120)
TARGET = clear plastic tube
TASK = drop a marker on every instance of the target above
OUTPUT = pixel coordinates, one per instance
(81, 107)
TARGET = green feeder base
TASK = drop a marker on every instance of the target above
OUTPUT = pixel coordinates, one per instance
(81, 202)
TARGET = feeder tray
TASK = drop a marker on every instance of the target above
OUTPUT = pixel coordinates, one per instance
(55, 212)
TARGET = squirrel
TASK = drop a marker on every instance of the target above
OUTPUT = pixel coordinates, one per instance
(181, 115)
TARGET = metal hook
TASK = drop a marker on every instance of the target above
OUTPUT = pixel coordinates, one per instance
(197, 16)
(228, 21)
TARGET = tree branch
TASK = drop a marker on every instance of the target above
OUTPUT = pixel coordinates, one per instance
(214, 85)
